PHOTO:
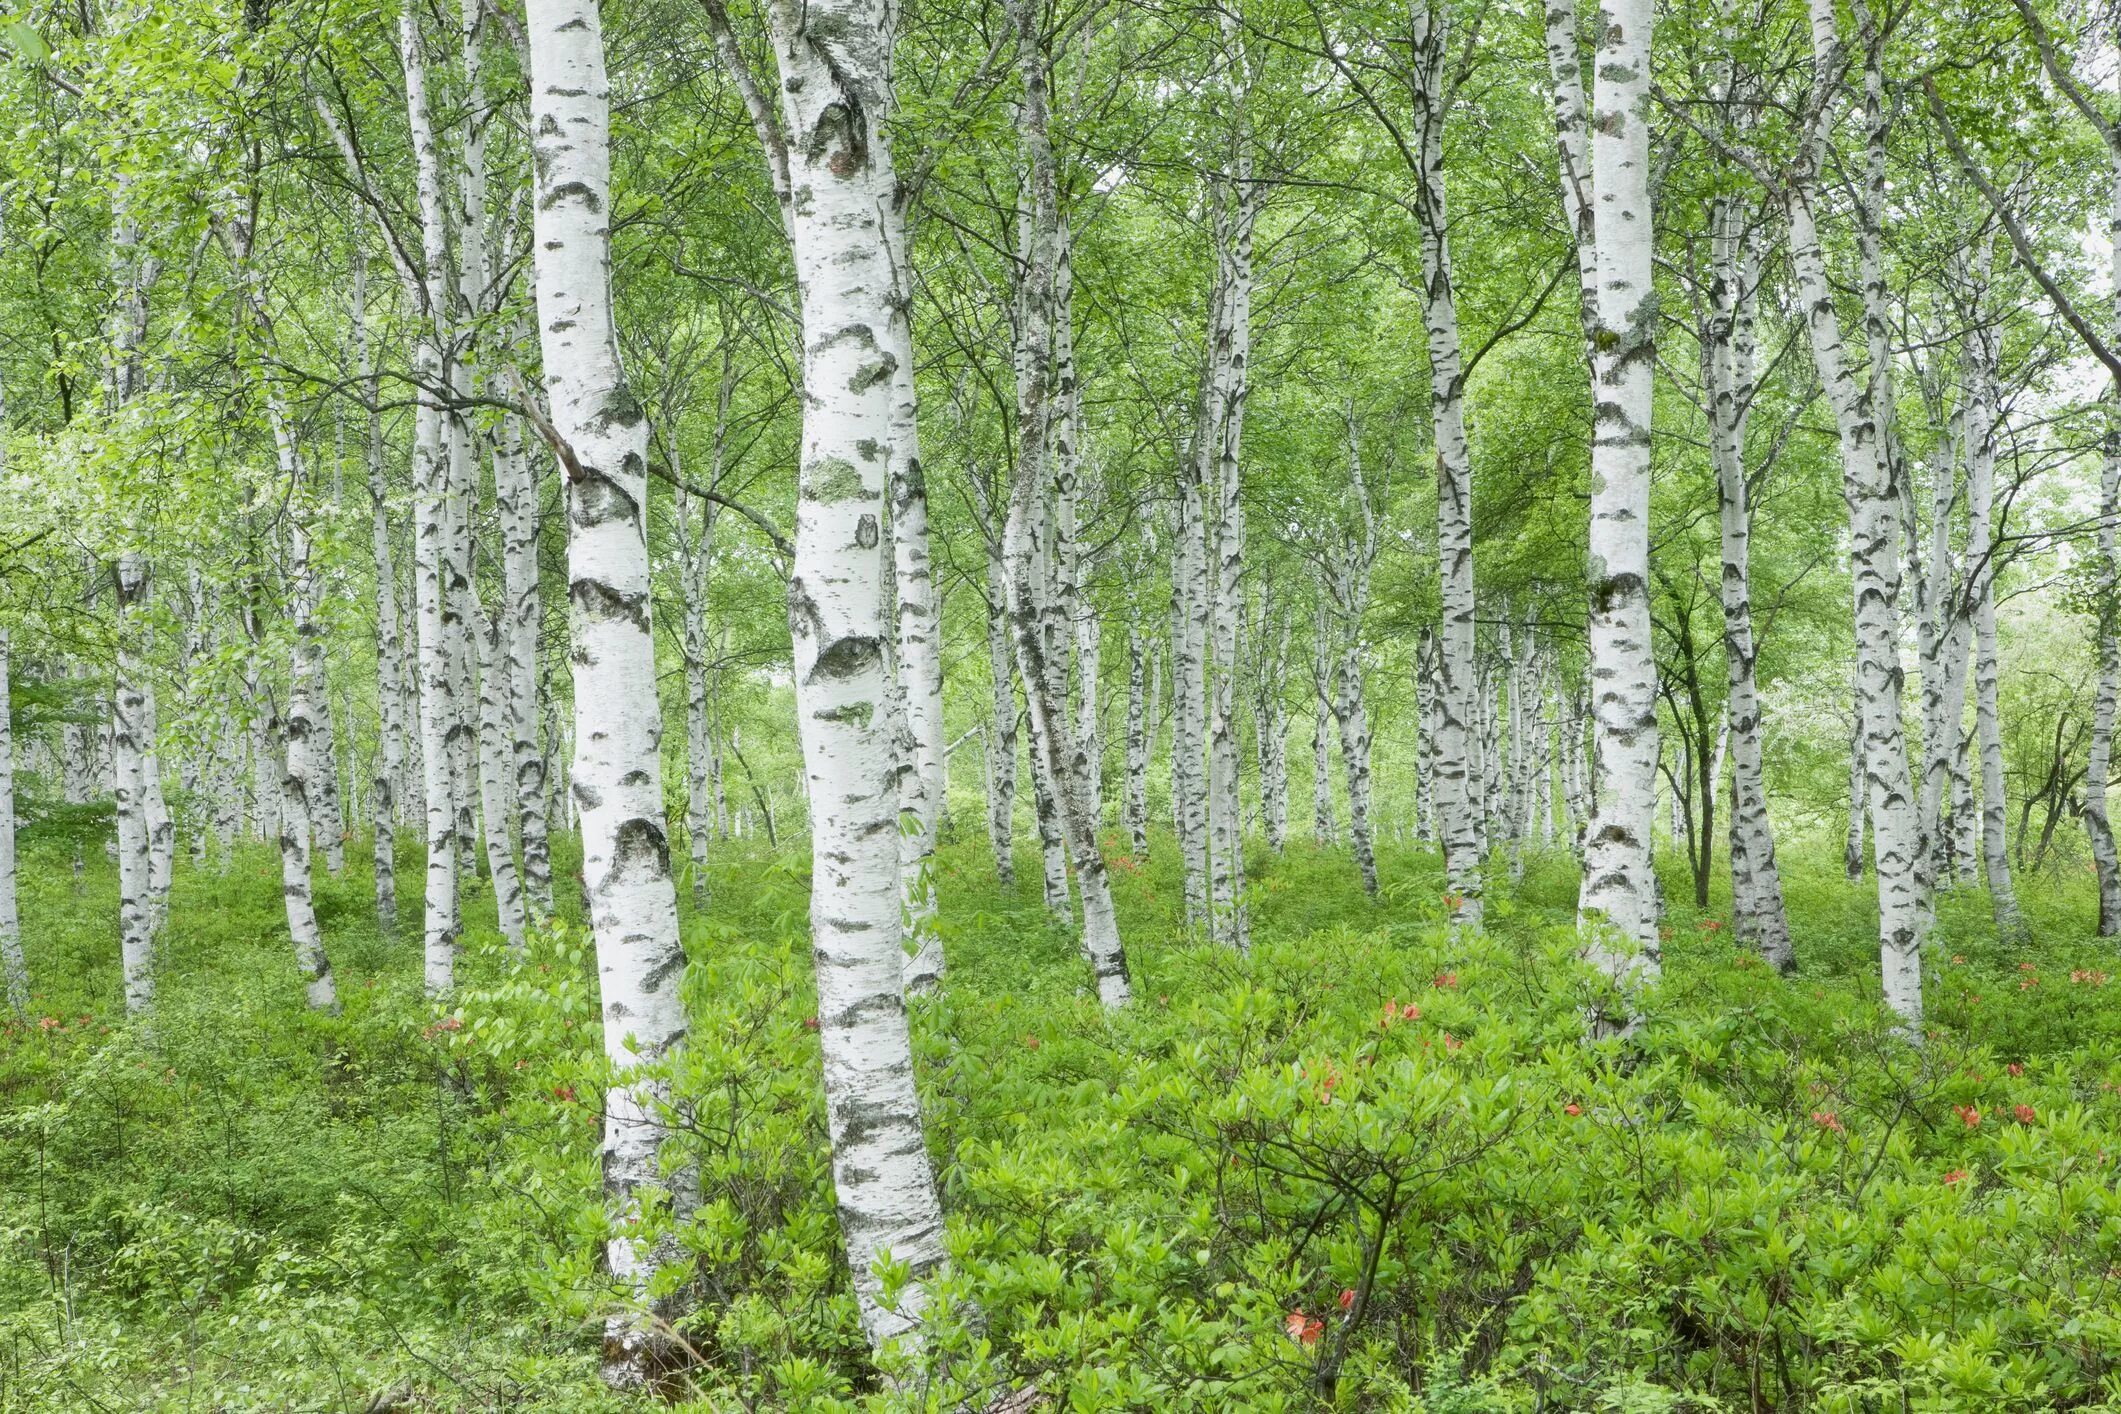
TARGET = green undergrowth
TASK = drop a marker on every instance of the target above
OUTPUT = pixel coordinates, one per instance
(1365, 1167)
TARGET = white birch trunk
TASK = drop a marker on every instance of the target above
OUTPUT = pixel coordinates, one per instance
(836, 102)
(432, 536)
(917, 630)
(1041, 632)
(136, 924)
(302, 766)
(1618, 902)
(516, 496)
(496, 801)
(390, 698)
(1135, 804)
(601, 438)
(2098, 763)
(12, 964)
(1001, 735)
(1325, 828)
(1875, 565)
(1758, 919)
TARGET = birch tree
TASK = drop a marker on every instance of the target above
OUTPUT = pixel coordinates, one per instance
(601, 438)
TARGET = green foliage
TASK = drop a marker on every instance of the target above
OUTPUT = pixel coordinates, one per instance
(1366, 1167)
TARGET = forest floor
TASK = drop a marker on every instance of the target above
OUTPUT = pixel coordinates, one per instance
(1361, 1168)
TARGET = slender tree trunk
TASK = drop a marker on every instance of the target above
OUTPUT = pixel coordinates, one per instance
(695, 537)
(1001, 735)
(302, 769)
(1758, 919)
(1189, 673)
(1043, 673)
(1135, 806)
(2098, 760)
(432, 534)
(516, 496)
(496, 756)
(917, 632)
(390, 700)
(836, 100)
(136, 928)
(11, 959)
(601, 438)
(1875, 562)
(1325, 829)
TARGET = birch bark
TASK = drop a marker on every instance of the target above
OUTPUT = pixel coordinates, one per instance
(836, 99)
(601, 438)
(1757, 916)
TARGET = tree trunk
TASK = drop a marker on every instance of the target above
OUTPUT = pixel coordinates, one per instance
(836, 100)
(136, 928)
(2108, 610)
(432, 534)
(1037, 632)
(1001, 735)
(516, 497)
(1875, 565)
(390, 700)
(1758, 919)
(11, 959)
(1135, 805)
(496, 756)
(601, 438)
(1618, 902)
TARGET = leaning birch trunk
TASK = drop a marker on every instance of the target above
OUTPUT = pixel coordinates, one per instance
(11, 960)
(1875, 564)
(1618, 903)
(431, 533)
(1001, 735)
(136, 930)
(836, 101)
(390, 701)
(1134, 807)
(1758, 919)
(496, 802)
(1039, 625)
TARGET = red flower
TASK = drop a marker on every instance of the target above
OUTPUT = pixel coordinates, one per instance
(1410, 1012)
(810, 1023)
(563, 1093)
(2028, 983)
(50, 1023)
(2015, 1069)
(2026, 967)
(1304, 1330)
(1446, 980)
(1450, 1042)
(1968, 1115)
(2025, 1114)
(1955, 1176)
(1827, 1119)
(1958, 961)
(1454, 901)
(1572, 1109)
(1031, 1043)
(1710, 925)
(1347, 1298)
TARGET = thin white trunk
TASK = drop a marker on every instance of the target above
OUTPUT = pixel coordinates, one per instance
(1758, 919)
(136, 925)
(836, 104)
(390, 697)
(601, 438)
(2098, 762)
(1042, 633)
(917, 630)
(1875, 565)
(496, 802)
(1135, 804)
(303, 766)
(11, 960)
(432, 535)
(516, 497)
(1325, 829)
(1001, 735)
